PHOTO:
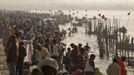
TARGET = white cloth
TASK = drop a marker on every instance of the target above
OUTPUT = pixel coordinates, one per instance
(89, 67)
(49, 48)
(29, 50)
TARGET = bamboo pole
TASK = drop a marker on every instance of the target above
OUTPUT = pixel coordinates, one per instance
(127, 50)
(132, 39)
(119, 33)
(107, 40)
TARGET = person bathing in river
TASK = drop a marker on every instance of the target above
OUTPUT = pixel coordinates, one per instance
(70, 31)
(87, 48)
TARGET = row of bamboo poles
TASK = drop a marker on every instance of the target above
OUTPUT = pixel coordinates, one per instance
(112, 38)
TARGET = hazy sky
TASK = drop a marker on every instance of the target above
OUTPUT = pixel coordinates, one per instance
(77, 3)
(67, 1)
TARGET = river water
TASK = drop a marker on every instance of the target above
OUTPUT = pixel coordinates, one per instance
(83, 38)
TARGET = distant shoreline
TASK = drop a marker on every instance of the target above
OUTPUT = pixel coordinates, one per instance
(66, 9)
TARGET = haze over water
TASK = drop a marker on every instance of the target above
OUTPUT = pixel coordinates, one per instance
(125, 20)
(122, 15)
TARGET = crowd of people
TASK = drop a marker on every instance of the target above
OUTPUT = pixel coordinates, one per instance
(25, 22)
(30, 22)
(22, 54)
(32, 42)
(28, 38)
(49, 58)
